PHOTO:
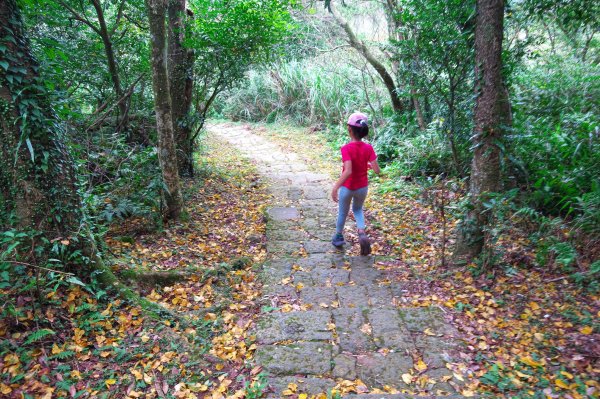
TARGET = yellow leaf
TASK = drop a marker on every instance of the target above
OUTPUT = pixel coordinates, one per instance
(530, 362)
(138, 375)
(303, 396)
(534, 306)
(467, 393)
(147, 379)
(292, 387)
(587, 330)
(568, 375)
(561, 384)
(429, 332)
(210, 316)
(538, 337)
(287, 392)
(5, 389)
(110, 382)
(407, 378)
(55, 349)
(482, 345)
(421, 366)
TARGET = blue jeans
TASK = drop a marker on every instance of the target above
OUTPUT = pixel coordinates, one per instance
(357, 198)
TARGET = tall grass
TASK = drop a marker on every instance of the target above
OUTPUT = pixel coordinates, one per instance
(308, 92)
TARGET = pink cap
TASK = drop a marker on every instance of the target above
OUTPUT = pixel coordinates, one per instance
(358, 119)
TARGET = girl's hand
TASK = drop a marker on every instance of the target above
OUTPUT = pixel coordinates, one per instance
(334, 194)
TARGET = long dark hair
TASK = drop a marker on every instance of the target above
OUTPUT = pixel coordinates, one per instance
(361, 131)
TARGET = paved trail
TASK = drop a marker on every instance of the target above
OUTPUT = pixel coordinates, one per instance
(333, 319)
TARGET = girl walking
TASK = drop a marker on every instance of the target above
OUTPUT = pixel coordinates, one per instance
(352, 186)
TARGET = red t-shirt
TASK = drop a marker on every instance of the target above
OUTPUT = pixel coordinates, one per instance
(360, 153)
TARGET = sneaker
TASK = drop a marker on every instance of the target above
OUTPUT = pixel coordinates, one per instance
(338, 240)
(365, 244)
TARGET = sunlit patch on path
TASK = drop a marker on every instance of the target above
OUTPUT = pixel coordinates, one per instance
(332, 322)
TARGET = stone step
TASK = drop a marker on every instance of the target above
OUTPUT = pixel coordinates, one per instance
(372, 344)
(316, 385)
(312, 385)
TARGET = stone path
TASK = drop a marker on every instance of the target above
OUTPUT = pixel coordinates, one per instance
(330, 318)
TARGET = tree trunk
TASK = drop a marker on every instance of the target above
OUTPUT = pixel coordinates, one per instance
(167, 156)
(37, 176)
(180, 63)
(417, 105)
(394, 30)
(359, 46)
(112, 64)
(489, 120)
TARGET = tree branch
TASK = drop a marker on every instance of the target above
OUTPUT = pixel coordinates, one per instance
(128, 93)
(360, 46)
(117, 19)
(79, 17)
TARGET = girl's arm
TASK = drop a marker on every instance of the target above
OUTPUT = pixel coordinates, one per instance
(345, 175)
(375, 167)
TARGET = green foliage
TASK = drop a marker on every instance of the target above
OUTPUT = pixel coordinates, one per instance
(304, 92)
(38, 335)
(73, 59)
(576, 21)
(228, 38)
(256, 390)
(121, 180)
(555, 142)
(411, 152)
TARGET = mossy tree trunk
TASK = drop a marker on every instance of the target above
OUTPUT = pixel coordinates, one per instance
(38, 183)
(37, 175)
(180, 62)
(157, 11)
(490, 116)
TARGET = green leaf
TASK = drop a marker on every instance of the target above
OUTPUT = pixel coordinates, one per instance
(30, 146)
(4, 64)
(38, 335)
(75, 280)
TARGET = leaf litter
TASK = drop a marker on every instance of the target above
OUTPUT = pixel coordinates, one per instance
(97, 346)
